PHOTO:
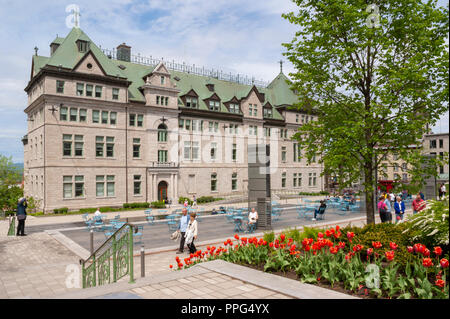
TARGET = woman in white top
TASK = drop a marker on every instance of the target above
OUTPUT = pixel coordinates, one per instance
(191, 234)
(253, 216)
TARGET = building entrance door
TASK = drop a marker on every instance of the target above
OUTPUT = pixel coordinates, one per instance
(162, 191)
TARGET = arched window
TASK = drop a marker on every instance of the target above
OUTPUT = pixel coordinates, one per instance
(162, 133)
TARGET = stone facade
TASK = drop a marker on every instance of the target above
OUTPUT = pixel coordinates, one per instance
(92, 144)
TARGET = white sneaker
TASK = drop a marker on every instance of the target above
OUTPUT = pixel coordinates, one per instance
(313, 219)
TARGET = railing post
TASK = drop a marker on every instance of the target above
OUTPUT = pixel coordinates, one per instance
(142, 261)
(114, 248)
(130, 252)
(91, 241)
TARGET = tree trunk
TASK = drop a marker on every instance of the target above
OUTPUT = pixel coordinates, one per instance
(369, 180)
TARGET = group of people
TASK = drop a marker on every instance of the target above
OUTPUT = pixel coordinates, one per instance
(388, 202)
(188, 229)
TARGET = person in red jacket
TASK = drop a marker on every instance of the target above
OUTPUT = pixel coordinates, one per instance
(418, 204)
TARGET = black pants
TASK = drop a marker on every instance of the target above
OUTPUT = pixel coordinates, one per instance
(191, 247)
(21, 227)
(182, 239)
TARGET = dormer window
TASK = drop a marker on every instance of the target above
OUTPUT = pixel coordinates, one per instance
(162, 80)
(214, 105)
(83, 46)
(267, 112)
(234, 108)
(191, 102)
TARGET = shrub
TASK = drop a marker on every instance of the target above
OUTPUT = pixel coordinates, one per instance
(181, 200)
(158, 204)
(207, 199)
(87, 210)
(269, 236)
(309, 232)
(63, 210)
(136, 205)
(430, 226)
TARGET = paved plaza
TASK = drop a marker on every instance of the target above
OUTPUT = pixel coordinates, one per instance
(35, 266)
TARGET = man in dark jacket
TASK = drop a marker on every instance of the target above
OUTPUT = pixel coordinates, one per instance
(21, 216)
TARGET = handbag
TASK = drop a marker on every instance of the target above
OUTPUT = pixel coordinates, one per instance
(189, 236)
(175, 235)
(21, 217)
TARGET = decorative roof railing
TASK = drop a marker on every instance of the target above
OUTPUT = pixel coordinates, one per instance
(190, 69)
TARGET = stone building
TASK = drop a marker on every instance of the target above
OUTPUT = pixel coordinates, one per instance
(103, 131)
(438, 144)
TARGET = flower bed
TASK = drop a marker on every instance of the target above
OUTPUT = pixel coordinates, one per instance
(339, 262)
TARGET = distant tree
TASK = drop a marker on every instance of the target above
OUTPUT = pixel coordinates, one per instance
(9, 191)
(376, 73)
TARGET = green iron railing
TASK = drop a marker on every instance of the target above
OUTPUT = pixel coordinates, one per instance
(12, 226)
(118, 250)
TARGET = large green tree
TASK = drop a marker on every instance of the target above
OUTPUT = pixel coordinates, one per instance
(9, 178)
(376, 73)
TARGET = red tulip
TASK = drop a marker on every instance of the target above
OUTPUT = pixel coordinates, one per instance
(282, 237)
(320, 235)
(334, 250)
(348, 257)
(376, 244)
(350, 235)
(444, 263)
(369, 251)
(426, 252)
(393, 245)
(341, 244)
(427, 262)
(337, 227)
(410, 249)
(327, 233)
(440, 283)
(236, 236)
(390, 255)
(437, 251)
(264, 243)
(271, 245)
(357, 248)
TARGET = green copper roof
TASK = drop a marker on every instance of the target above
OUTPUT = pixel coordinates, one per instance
(67, 55)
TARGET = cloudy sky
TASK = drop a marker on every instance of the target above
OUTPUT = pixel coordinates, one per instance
(239, 36)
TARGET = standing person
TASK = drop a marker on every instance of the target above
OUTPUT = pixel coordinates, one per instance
(443, 190)
(418, 204)
(21, 216)
(392, 198)
(440, 191)
(387, 201)
(382, 209)
(182, 227)
(399, 208)
(194, 202)
(191, 233)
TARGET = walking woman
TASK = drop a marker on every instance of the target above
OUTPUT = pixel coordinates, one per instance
(399, 208)
(21, 216)
(382, 209)
(191, 234)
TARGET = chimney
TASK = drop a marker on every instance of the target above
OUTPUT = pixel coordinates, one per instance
(124, 52)
(53, 47)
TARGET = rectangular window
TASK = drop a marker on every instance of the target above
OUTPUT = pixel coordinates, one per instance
(79, 186)
(213, 182)
(162, 80)
(109, 146)
(166, 101)
(59, 86)
(95, 116)
(83, 115)
(98, 91)
(157, 100)
(132, 119)
(67, 145)
(181, 123)
(80, 89)
(115, 94)
(73, 114)
(405, 176)
(89, 89)
(441, 143)
(104, 117)
(188, 125)
(255, 110)
(294, 180)
(63, 113)
(191, 102)
(100, 186)
(79, 145)
(137, 184)
(250, 109)
(110, 185)
(216, 127)
(296, 118)
(112, 118)
(312, 179)
(299, 180)
(67, 187)
(162, 156)
(234, 181)
(234, 153)
(187, 150)
(136, 147)
(195, 151)
(140, 120)
(432, 143)
(214, 105)
(99, 146)
(211, 126)
(283, 180)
